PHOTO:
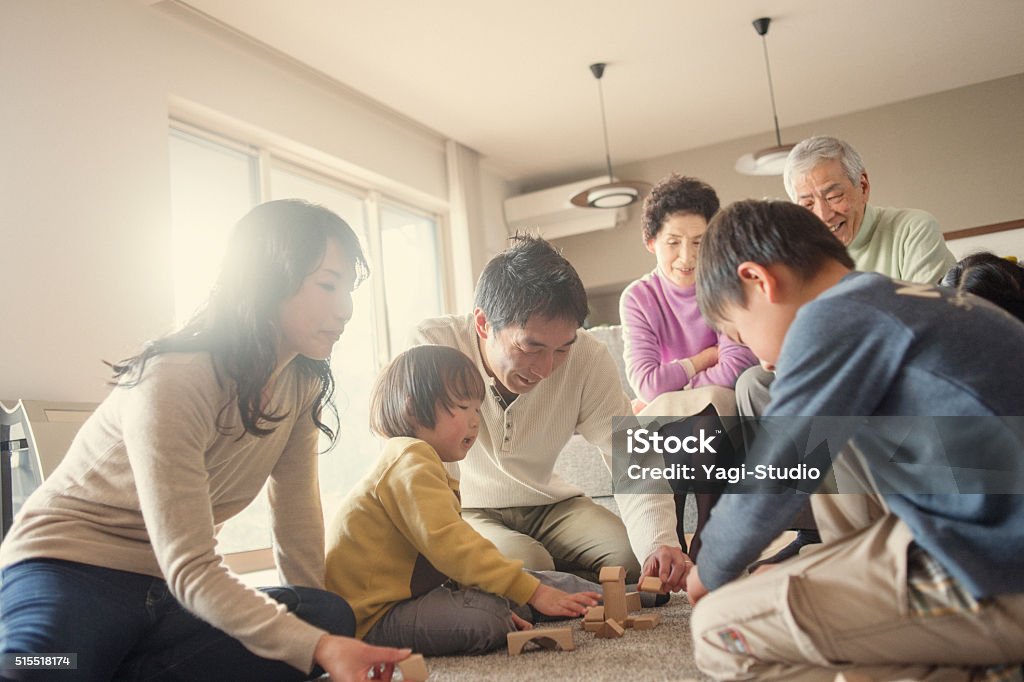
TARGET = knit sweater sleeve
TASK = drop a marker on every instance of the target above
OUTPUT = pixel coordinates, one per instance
(418, 499)
(924, 257)
(649, 518)
(168, 424)
(733, 358)
(297, 517)
(648, 375)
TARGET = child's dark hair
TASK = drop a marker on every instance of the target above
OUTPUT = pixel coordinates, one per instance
(416, 383)
(762, 232)
(991, 277)
(677, 194)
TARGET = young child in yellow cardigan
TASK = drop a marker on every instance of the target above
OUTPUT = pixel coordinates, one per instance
(416, 574)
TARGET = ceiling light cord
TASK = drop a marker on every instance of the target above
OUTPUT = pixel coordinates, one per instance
(772, 160)
(771, 91)
(604, 127)
(611, 194)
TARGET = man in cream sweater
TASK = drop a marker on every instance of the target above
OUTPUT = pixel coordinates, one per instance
(547, 379)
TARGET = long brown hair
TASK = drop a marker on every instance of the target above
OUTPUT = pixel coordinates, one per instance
(272, 249)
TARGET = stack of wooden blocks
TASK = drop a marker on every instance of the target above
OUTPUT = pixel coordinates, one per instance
(612, 619)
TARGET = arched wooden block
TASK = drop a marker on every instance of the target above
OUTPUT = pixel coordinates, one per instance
(548, 638)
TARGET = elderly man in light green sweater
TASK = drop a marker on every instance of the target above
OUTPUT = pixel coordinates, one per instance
(826, 176)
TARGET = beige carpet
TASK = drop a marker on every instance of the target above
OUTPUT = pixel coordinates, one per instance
(664, 653)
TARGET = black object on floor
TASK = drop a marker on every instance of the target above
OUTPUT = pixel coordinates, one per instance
(803, 538)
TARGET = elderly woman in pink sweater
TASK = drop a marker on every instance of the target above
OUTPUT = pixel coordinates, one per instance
(668, 345)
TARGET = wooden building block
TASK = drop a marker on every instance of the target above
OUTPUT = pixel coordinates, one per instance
(612, 573)
(548, 638)
(414, 668)
(645, 622)
(649, 583)
(614, 598)
(610, 630)
(633, 601)
(593, 626)
(595, 614)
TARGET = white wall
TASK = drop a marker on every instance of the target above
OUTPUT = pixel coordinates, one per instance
(957, 154)
(84, 195)
(1008, 243)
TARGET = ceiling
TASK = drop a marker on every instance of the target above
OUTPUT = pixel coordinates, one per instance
(511, 79)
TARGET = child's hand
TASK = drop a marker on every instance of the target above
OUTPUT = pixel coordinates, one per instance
(695, 589)
(704, 359)
(554, 602)
(520, 623)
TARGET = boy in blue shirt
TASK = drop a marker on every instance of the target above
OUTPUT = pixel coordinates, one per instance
(908, 584)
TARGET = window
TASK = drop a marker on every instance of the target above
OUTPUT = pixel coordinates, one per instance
(214, 181)
(410, 257)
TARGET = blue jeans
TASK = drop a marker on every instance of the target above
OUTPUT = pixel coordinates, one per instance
(127, 626)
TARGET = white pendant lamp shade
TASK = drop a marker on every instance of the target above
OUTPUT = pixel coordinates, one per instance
(609, 195)
(771, 160)
(767, 161)
(614, 193)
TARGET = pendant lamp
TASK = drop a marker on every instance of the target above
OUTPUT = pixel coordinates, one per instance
(612, 194)
(770, 160)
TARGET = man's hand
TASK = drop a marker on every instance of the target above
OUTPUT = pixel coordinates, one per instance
(346, 659)
(695, 589)
(671, 565)
(554, 602)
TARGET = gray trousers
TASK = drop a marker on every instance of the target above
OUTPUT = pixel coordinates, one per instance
(450, 620)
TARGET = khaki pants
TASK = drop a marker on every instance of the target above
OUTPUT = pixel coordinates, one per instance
(844, 607)
(576, 535)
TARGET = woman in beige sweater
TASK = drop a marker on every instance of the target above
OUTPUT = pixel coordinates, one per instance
(114, 557)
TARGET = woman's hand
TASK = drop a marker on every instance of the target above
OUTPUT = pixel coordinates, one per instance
(347, 660)
(554, 602)
(705, 359)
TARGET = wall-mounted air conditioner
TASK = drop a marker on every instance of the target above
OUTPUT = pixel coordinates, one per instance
(550, 212)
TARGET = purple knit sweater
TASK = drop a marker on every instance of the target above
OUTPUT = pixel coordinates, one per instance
(661, 323)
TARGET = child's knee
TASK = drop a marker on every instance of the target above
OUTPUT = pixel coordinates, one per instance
(486, 622)
(718, 647)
